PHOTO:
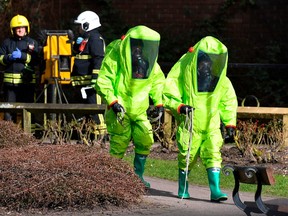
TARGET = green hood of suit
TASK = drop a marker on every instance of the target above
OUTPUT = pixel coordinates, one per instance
(185, 85)
(213, 53)
(141, 43)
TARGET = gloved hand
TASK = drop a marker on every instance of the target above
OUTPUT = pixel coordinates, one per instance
(79, 40)
(15, 54)
(185, 109)
(116, 107)
(230, 133)
(159, 110)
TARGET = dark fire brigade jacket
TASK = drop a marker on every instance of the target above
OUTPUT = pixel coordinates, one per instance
(88, 62)
(20, 70)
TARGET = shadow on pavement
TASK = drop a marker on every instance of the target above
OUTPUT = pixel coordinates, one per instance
(155, 192)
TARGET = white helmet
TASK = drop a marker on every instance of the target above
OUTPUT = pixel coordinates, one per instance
(88, 20)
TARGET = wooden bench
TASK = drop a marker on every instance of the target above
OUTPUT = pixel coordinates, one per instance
(27, 108)
(253, 175)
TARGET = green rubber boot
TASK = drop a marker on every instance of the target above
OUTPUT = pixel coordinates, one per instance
(183, 185)
(139, 166)
(214, 184)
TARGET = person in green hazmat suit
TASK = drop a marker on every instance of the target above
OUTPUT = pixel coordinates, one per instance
(129, 75)
(197, 91)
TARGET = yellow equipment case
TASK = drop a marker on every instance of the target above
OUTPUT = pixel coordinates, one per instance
(57, 54)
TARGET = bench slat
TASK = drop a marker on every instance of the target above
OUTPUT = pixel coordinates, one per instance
(266, 175)
(54, 108)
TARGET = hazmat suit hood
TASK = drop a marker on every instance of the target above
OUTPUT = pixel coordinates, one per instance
(139, 51)
(208, 66)
(198, 79)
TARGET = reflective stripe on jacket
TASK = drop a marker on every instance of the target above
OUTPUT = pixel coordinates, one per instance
(82, 56)
(85, 79)
(17, 78)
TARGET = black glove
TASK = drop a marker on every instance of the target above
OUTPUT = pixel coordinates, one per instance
(230, 133)
(185, 109)
(116, 107)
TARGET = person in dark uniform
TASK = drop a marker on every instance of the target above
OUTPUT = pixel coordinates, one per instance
(89, 50)
(19, 56)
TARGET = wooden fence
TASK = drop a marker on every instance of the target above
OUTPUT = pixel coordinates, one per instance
(243, 113)
(40, 108)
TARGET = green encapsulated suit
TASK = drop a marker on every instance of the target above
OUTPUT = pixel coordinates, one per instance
(129, 75)
(199, 80)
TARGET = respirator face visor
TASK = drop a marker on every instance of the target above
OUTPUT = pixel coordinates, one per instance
(143, 57)
(209, 69)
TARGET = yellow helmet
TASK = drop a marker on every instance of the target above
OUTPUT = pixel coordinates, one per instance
(19, 21)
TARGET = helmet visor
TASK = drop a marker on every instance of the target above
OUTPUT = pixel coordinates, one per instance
(143, 57)
(209, 69)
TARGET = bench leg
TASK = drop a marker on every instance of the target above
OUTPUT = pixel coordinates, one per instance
(285, 129)
(236, 198)
(235, 194)
(26, 123)
(260, 204)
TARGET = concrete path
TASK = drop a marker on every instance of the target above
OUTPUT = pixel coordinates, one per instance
(162, 201)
